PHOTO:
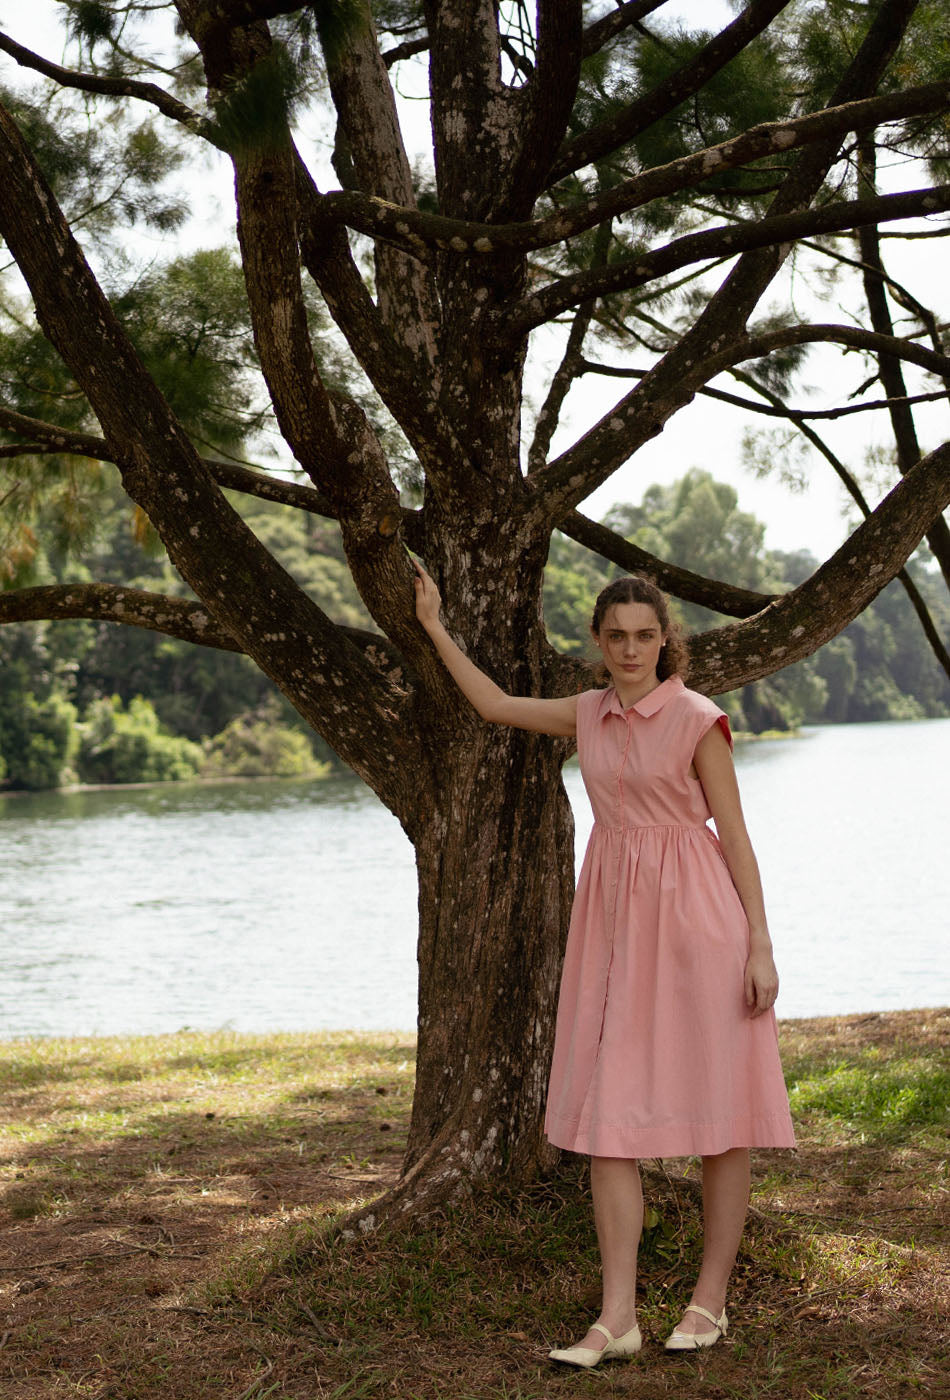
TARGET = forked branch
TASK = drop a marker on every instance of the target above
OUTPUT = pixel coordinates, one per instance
(604, 30)
(685, 368)
(241, 584)
(49, 438)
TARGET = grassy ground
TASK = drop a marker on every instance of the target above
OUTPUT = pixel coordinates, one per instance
(165, 1203)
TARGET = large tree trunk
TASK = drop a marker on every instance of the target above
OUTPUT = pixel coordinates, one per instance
(496, 879)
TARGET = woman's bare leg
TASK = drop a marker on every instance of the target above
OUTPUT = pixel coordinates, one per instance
(725, 1203)
(618, 1215)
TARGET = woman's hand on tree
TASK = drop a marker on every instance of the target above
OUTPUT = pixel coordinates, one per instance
(428, 600)
(761, 981)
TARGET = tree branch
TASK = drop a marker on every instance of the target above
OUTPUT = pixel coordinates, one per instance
(569, 368)
(630, 423)
(410, 399)
(366, 111)
(605, 138)
(779, 229)
(418, 232)
(309, 420)
(151, 93)
(223, 15)
(921, 233)
(564, 376)
(889, 366)
(231, 475)
(796, 624)
(794, 415)
(52, 439)
(330, 435)
(612, 24)
(407, 49)
(755, 347)
(107, 602)
(683, 583)
(183, 618)
(467, 102)
(549, 95)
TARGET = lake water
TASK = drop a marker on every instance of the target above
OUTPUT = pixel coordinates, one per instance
(291, 906)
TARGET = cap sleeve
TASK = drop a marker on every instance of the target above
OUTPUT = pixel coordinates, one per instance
(704, 715)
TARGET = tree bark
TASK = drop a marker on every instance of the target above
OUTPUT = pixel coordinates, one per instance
(495, 881)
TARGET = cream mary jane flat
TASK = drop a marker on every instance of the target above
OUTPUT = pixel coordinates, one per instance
(693, 1341)
(627, 1345)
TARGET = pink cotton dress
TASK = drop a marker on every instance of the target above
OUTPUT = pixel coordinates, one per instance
(656, 1054)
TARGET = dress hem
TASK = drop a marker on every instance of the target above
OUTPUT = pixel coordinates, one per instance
(680, 1141)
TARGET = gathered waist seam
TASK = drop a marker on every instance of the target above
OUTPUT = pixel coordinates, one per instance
(648, 826)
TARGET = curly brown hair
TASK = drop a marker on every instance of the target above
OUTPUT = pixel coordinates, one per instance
(674, 656)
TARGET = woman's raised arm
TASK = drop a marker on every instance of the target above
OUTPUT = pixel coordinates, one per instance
(491, 702)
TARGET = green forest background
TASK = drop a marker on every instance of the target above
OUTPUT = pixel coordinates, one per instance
(99, 703)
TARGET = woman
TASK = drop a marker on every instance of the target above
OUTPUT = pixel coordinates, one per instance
(666, 1042)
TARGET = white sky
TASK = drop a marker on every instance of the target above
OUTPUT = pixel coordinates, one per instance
(705, 434)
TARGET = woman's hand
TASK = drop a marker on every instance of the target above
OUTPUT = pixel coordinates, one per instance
(428, 601)
(761, 981)
(491, 702)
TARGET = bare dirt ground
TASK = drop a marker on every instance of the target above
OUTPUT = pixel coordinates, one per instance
(148, 1190)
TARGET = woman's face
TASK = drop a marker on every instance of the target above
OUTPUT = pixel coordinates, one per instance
(629, 640)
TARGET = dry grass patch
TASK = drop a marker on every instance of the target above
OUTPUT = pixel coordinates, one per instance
(169, 1233)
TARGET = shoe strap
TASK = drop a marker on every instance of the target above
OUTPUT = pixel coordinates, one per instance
(704, 1312)
(599, 1327)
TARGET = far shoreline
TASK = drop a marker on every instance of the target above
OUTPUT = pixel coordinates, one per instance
(177, 783)
(342, 1035)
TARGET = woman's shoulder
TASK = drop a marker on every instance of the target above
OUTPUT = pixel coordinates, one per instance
(694, 702)
(590, 701)
(696, 713)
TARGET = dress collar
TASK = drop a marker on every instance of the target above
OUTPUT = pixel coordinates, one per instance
(653, 701)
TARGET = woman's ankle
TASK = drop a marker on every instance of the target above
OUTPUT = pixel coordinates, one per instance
(713, 1302)
(619, 1319)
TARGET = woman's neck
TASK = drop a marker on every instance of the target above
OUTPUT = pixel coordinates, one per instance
(629, 692)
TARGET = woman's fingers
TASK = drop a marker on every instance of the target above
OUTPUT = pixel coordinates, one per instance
(761, 988)
(765, 994)
(428, 599)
